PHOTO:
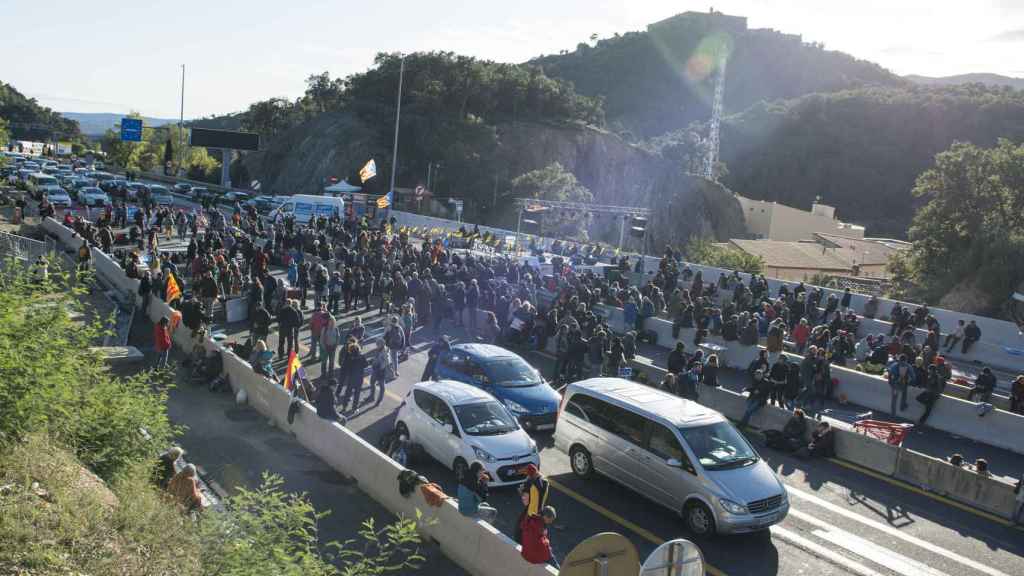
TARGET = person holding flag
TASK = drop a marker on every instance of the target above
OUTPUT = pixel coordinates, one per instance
(385, 200)
(173, 291)
(295, 376)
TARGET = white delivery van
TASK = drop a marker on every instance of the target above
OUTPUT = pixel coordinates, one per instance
(305, 206)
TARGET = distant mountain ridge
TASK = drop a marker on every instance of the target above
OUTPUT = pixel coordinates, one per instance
(96, 123)
(974, 78)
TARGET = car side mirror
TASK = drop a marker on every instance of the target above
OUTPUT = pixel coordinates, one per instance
(674, 463)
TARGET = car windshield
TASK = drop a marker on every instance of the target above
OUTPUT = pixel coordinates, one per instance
(513, 371)
(485, 419)
(719, 446)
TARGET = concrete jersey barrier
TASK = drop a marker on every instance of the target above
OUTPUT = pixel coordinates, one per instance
(981, 492)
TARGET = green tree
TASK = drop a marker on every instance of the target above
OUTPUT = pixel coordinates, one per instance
(54, 380)
(702, 251)
(269, 532)
(5, 135)
(969, 233)
(554, 182)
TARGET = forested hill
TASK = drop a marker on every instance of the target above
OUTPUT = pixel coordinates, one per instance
(861, 150)
(663, 78)
(29, 121)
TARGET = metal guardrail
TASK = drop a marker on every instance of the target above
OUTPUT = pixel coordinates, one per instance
(23, 248)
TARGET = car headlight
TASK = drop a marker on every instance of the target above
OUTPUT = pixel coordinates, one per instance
(515, 407)
(483, 454)
(533, 447)
(732, 507)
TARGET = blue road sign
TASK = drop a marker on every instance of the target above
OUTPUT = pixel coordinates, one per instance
(131, 129)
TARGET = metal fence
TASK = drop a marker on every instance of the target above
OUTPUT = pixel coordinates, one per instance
(23, 248)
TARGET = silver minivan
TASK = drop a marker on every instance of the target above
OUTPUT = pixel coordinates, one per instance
(680, 454)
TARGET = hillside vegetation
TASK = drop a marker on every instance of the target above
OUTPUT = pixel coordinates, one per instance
(660, 80)
(28, 120)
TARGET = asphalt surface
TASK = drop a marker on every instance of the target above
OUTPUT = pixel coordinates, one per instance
(841, 520)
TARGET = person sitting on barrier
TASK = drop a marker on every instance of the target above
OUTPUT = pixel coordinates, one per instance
(167, 466)
(472, 494)
(984, 385)
(1017, 395)
(184, 487)
(262, 359)
(791, 437)
(822, 444)
(934, 385)
(972, 333)
(981, 467)
(956, 460)
(759, 390)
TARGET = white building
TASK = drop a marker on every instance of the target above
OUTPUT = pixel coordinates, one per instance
(774, 221)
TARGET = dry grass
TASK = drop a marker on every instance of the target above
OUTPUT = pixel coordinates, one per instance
(56, 517)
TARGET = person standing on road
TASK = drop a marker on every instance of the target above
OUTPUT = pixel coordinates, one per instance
(354, 370)
(208, 291)
(329, 340)
(472, 303)
(901, 376)
(260, 320)
(303, 283)
(379, 371)
(317, 322)
(442, 346)
(162, 341)
(289, 320)
(395, 339)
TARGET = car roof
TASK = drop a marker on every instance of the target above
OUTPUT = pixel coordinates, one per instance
(680, 412)
(455, 393)
(485, 351)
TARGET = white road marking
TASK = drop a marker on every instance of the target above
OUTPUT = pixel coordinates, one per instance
(878, 554)
(887, 529)
(823, 552)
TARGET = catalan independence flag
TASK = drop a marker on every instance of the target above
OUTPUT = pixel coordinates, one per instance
(368, 171)
(173, 291)
(386, 200)
(293, 372)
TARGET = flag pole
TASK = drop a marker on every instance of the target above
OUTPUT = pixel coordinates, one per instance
(398, 115)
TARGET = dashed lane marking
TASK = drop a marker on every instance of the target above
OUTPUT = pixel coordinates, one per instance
(639, 531)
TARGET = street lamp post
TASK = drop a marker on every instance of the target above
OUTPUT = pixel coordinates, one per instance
(398, 116)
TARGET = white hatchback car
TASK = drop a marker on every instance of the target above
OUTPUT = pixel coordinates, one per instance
(458, 424)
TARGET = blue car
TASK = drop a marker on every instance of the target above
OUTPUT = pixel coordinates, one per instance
(507, 377)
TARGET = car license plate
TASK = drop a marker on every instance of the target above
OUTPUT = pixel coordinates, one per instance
(767, 520)
(546, 427)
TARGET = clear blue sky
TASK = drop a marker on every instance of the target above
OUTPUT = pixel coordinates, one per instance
(107, 56)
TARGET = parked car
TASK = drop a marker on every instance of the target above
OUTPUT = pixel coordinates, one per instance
(200, 192)
(136, 190)
(265, 204)
(183, 188)
(93, 196)
(236, 196)
(57, 196)
(512, 380)
(161, 195)
(459, 424)
(676, 452)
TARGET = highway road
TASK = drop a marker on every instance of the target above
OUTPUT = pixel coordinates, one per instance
(842, 520)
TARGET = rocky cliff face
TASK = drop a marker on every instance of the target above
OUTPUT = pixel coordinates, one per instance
(616, 172)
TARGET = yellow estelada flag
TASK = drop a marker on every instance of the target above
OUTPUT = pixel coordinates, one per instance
(369, 170)
(173, 291)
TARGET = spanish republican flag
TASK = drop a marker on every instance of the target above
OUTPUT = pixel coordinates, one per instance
(173, 291)
(369, 170)
(293, 371)
(386, 200)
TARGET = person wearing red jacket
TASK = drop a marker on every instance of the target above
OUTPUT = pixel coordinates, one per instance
(536, 544)
(162, 341)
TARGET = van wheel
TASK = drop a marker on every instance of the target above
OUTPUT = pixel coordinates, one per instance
(699, 519)
(460, 468)
(581, 462)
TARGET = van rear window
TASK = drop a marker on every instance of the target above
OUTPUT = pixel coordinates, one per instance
(611, 418)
